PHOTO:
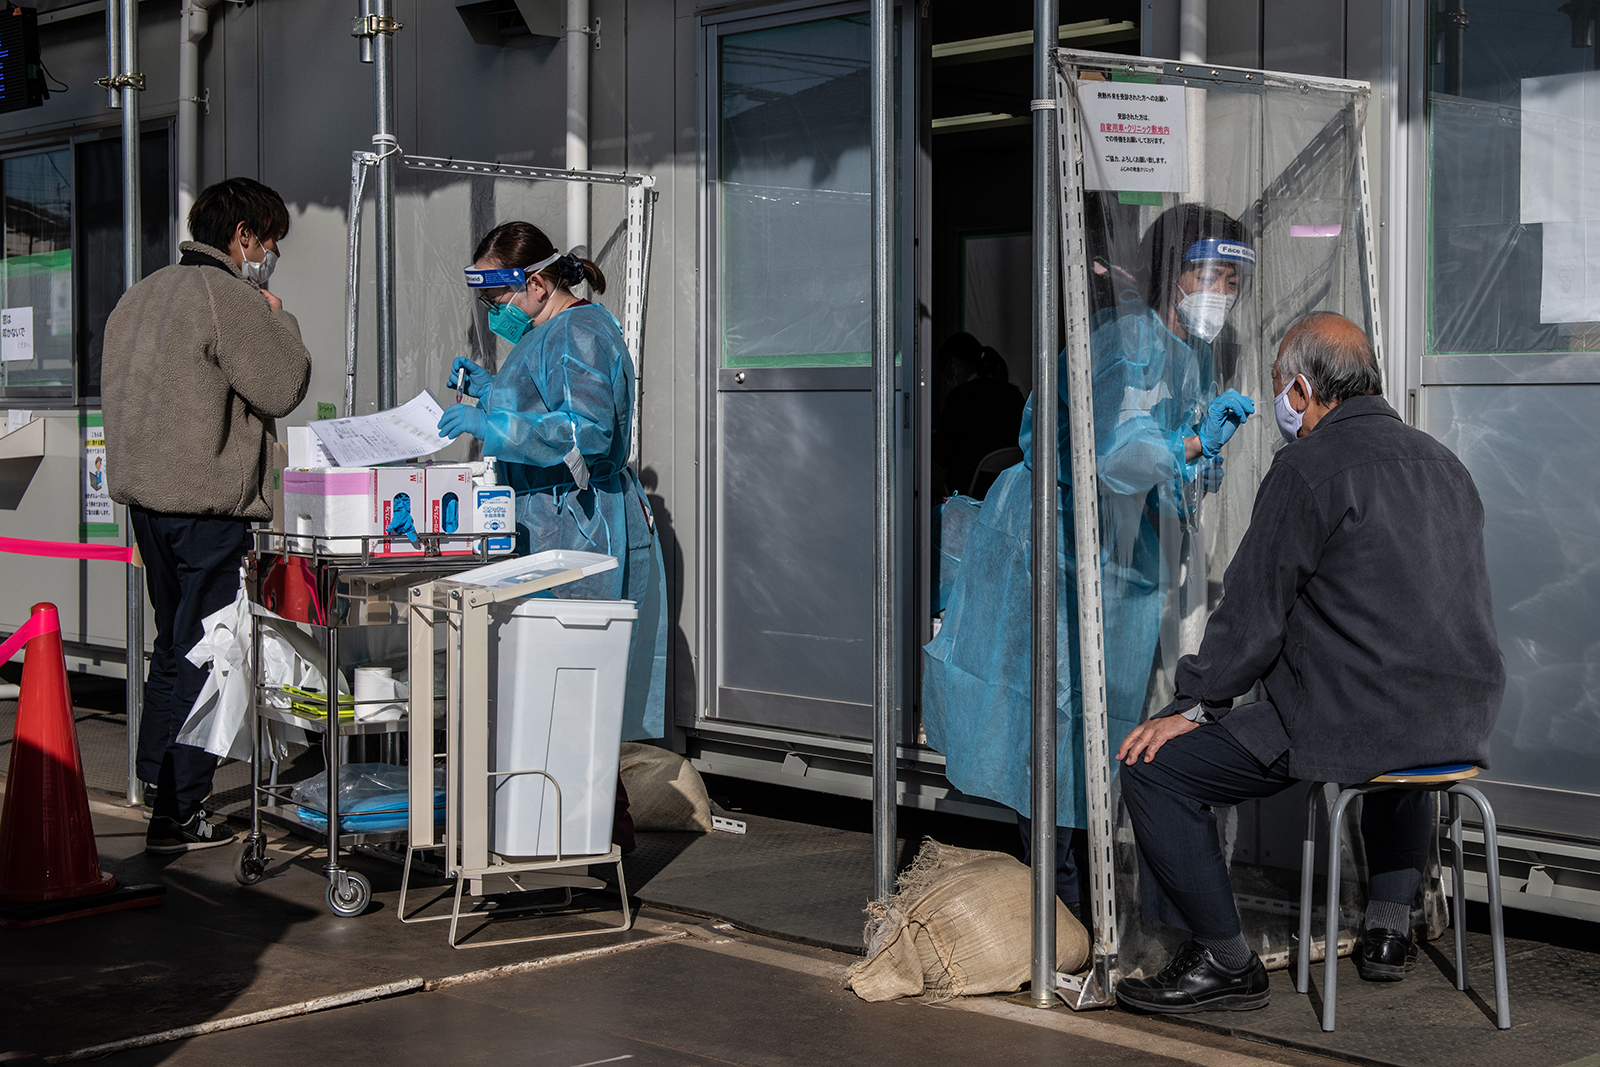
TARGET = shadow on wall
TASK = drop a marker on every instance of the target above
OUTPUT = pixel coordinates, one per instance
(680, 666)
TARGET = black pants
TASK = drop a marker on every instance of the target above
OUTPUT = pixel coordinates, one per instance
(1072, 859)
(191, 568)
(1183, 878)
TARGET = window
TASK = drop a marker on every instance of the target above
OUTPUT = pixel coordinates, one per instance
(794, 195)
(1514, 212)
(62, 261)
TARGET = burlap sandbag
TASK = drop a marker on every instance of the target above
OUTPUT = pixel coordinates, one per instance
(665, 792)
(958, 924)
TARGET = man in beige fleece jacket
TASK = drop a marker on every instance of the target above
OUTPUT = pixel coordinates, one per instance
(199, 360)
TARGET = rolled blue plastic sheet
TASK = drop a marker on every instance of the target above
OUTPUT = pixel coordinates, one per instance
(373, 798)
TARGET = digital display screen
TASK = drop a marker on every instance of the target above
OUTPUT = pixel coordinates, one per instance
(19, 38)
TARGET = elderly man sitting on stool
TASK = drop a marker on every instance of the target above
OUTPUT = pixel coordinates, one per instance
(1359, 600)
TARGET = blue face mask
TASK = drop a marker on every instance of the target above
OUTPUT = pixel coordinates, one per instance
(509, 321)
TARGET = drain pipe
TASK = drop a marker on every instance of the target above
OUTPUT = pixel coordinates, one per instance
(193, 25)
(1192, 31)
(578, 46)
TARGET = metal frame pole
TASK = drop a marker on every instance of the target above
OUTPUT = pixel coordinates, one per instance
(1045, 500)
(131, 84)
(1086, 545)
(387, 146)
(885, 714)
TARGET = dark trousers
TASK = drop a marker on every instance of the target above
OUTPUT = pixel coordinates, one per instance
(191, 568)
(1072, 859)
(1183, 878)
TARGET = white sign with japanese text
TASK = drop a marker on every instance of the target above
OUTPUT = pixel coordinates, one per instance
(1135, 137)
(16, 333)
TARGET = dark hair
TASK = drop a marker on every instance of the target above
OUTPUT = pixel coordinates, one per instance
(1335, 356)
(1169, 237)
(219, 209)
(522, 244)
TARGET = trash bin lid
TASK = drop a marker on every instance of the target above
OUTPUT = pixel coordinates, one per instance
(570, 564)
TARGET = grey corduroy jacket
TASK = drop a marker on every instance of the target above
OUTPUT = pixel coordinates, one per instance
(196, 369)
(1359, 597)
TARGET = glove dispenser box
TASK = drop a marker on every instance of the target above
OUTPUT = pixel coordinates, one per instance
(400, 491)
(324, 507)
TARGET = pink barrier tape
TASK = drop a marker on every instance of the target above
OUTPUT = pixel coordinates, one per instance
(66, 550)
(43, 622)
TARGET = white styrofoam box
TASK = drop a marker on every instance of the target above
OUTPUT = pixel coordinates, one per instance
(305, 449)
(450, 504)
(561, 668)
(330, 502)
(392, 484)
(494, 511)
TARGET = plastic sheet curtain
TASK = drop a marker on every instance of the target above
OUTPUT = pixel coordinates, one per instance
(1281, 156)
(442, 210)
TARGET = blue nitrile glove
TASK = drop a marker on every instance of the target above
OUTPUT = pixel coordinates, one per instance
(1211, 473)
(1224, 415)
(402, 524)
(477, 379)
(463, 418)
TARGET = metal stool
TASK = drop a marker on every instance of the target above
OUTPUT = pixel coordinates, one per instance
(1449, 779)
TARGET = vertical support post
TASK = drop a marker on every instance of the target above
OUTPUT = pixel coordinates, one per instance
(578, 48)
(1086, 546)
(885, 713)
(126, 52)
(352, 282)
(1045, 500)
(387, 146)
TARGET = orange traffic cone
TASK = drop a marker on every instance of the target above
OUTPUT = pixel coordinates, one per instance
(49, 866)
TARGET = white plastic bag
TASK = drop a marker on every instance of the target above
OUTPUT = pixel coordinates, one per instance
(220, 721)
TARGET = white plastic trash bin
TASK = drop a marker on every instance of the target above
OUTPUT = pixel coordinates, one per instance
(561, 668)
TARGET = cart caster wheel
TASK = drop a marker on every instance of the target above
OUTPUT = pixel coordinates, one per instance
(251, 864)
(354, 900)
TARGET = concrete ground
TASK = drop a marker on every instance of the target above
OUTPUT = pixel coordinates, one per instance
(675, 990)
(736, 957)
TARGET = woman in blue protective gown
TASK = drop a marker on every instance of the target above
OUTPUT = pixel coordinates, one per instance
(1159, 427)
(558, 417)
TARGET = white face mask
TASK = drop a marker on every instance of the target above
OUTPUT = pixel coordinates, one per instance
(259, 272)
(1203, 313)
(1288, 418)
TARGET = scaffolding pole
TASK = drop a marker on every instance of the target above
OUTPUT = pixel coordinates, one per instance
(885, 714)
(1045, 499)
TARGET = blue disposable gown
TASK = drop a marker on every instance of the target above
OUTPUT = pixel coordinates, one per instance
(1150, 391)
(560, 415)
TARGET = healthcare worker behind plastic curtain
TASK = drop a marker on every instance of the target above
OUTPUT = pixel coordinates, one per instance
(1159, 430)
(558, 416)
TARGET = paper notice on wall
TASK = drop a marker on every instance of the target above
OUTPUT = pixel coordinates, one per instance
(98, 517)
(1561, 148)
(405, 432)
(16, 334)
(1569, 290)
(1135, 137)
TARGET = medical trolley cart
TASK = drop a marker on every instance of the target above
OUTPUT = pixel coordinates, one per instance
(331, 584)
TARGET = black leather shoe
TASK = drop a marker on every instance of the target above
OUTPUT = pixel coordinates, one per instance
(1385, 955)
(1195, 981)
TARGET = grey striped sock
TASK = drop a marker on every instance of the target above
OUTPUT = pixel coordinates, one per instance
(1388, 915)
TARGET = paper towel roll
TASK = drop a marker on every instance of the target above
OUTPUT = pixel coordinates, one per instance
(374, 684)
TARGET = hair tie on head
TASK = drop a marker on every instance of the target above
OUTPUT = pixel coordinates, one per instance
(569, 270)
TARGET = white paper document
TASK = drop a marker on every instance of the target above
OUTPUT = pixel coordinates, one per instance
(1569, 288)
(1561, 148)
(16, 333)
(1136, 137)
(405, 432)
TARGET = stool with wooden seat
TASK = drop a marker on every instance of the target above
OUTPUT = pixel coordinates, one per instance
(1450, 779)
